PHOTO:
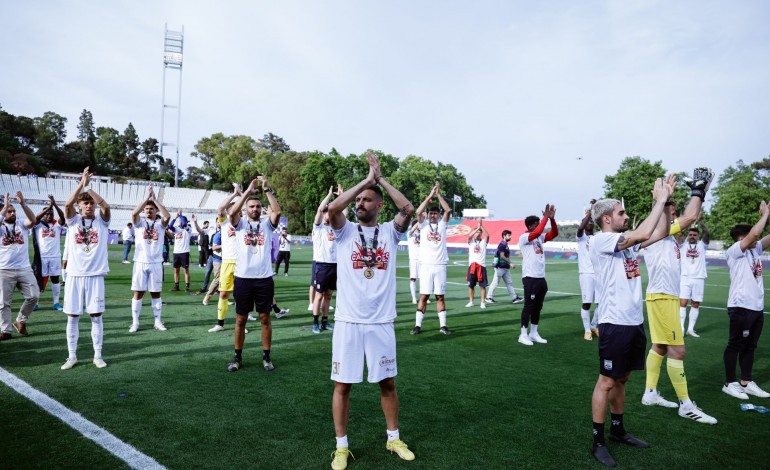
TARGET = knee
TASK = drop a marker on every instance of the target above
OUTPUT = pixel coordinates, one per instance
(240, 320)
(264, 319)
(388, 386)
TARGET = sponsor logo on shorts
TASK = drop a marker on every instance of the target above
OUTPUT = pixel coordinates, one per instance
(385, 362)
(607, 364)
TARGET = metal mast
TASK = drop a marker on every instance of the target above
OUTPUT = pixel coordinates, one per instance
(173, 48)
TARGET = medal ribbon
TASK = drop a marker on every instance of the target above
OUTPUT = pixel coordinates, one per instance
(369, 261)
(86, 232)
(10, 233)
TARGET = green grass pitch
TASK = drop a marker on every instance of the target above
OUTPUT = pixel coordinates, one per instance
(475, 399)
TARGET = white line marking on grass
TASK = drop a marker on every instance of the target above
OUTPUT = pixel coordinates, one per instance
(100, 436)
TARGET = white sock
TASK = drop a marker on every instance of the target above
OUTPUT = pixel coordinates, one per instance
(97, 332)
(594, 320)
(342, 441)
(418, 318)
(64, 275)
(392, 435)
(413, 289)
(682, 316)
(442, 318)
(533, 329)
(157, 304)
(524, 330)
(694, 312)
(686, 403)
(56, 291)
(136, 310)
(72, 336)
(586, 316)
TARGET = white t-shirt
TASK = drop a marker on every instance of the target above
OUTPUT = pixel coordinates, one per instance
(414, 245)
(87, 248)
(127, 235)
(149, 238)
(324, 248)
(747, 288)
(477, 251)
(254, 243)
(533, 258)
(362, 300)
(284, 244)
(229, 250)
(433, 243)
(662, 259)
(694, 260)
(49, 239)
(584, 254)
(618, 281)
(181, 238)
(14, 239)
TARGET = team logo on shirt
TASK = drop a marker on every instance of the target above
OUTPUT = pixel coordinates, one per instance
(538, 248)
(632, 268)
(231, 231)
(758, 270)
(678, 253)
(12, 237)
(416, 238)
(360, 257)
(151, 235)
(48, 233)
(434, 237)
(254, 239)
(330, 235)
(82, 235)
(477, 249)
(692, 252)
(179, 235)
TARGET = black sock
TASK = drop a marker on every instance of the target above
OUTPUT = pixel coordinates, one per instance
(315, 319)
(266, 355)
(599, 434)
(616, 424)
(221, 322)
(238, 353)
(325, 321)
(276, 308)
(176, 284)
(187, 284)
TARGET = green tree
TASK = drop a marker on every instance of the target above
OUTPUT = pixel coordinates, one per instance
(129, 164)
(273, 143)
(50, 132)
(287, 182)
(108, 150)
(87, 137)
(230, 158)
(737, 194)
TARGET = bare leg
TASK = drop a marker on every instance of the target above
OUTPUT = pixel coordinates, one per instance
(341, 408)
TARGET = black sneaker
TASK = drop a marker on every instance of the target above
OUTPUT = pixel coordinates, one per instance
(518, 300)
(490, 300)
(415, 331)
(234, 366)
(630, 440)
(601, 454)
(175, 289)
(445, 331)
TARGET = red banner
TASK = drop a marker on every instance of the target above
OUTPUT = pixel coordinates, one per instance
(458, 233)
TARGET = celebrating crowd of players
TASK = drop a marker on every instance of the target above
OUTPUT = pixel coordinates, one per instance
(358, 260)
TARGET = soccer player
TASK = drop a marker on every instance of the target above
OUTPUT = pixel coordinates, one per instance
(433, 260)
(477, 263)
(693, 275)
(48, 234)
(622, 341)
(215, 259)
(324, 265)
(366, 304)
(414, 259)
(253, 286)
(15, 269)
(503, 266)
(533, 272)
(128, 241)
(284, 251)
(149, 233)
(662, 298)
(585, 233)
(181, 249)
(745, 305)
(229, 256)
(87, 266)
(204, 242)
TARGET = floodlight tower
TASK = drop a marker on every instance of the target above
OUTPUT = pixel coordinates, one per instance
(173, 48)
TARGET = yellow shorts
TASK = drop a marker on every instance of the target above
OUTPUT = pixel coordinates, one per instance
(665, 324)
(227, 275)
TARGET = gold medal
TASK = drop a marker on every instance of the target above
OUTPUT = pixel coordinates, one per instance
(254, 249)
(368, 273)
(87, 249)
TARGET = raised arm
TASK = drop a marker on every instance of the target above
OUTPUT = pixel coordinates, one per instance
(235, 210)
(583, 223)
(42, 212)
(69, 207)
(195, 224)
(104, 207)
(165, 217)
(275, 208)
(336, 207)
(706, 236)
(6, 203)
(444, 205)
(541, 226)
(554, 232)
(484, 230)
(222, 209)
(405, 208)
(137, 212)
(756, 231)
(660, 194)
(59, 212)
(319, 214)
(27, 211)
(424, 204)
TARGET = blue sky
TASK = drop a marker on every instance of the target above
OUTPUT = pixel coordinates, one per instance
(533, 101)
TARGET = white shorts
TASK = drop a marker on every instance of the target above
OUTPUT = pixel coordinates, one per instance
(587, 287)
(352, 342)
(50, 266)
(691, 288)
(147, 277)
(84, 291)
(432, 279)
(414, 268)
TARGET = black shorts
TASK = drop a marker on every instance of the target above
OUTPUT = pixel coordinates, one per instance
(473, 279)
(182, 260)
(325, 276)
(253, 295)
(312, 274)
(622, 349)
